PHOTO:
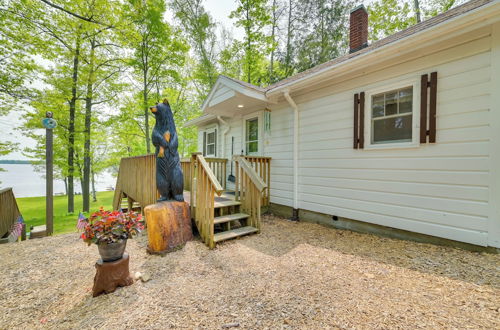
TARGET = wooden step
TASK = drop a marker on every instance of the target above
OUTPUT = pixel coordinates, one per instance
(230, 217)
(219, 237)
(38, 231)
(220, 204)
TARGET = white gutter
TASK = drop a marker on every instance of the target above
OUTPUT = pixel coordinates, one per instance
(295, 151)
(224, 133)
(203, 119)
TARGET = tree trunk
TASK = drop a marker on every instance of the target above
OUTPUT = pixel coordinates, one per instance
(417, 10)
(146, 115)
(288, 57)
(71, 129)
(80, 170)
(66, 185)
(273, 37)
(88, 121)
(249, 45)
(94, 196)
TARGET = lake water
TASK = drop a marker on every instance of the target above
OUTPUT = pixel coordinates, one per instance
(27, 183)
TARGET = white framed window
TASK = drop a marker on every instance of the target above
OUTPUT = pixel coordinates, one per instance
(392, 117)
(210, 143)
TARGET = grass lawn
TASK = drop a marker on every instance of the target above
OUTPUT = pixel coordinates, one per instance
(33, 210)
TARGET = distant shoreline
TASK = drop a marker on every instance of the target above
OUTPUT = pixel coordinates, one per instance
(64, 195)
(28, 180)
(10, 161)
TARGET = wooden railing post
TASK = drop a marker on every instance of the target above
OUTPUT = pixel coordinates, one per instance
(249, 189)
(205, 186)
(262, 166)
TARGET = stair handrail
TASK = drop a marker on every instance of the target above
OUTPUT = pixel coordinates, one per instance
(254, 176)
(248, 190)
(9, 210)
(203, 198)
(262, 165)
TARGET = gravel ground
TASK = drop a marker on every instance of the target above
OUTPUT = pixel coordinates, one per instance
(292, 275)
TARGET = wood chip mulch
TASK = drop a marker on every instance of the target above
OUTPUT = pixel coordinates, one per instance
(292, 275)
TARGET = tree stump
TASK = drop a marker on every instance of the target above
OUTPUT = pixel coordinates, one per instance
(110, 275)
(169, 226)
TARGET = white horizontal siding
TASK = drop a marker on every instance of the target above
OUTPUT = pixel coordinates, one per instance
(438, 189)
(279, 146)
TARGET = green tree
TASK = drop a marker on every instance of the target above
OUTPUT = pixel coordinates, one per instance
(254, 17)
(322, 33)
(388, 17)
(231, 55)
(102, 66)
(56, 38)
(291, 24)
(158, 52)
(435, 7)
(200, 30)
(17, 68)
(277, 11)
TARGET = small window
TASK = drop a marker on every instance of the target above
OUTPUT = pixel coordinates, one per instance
(252, 136)
(392, 116)
(210, 143)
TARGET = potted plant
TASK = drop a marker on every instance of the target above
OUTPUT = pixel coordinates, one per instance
(110, 231)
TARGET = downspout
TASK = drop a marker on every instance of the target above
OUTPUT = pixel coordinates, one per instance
(295, 214)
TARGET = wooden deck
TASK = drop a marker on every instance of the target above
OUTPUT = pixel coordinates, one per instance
(213, 208)
(224, 198)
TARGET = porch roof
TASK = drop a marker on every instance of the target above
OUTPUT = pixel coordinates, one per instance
(231, 97)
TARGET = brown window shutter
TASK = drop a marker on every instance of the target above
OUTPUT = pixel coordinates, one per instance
(423, 108)
(432, 108)
(361, 133)
(204, 143)
(359, 121)
(356, 120)
(425, 85)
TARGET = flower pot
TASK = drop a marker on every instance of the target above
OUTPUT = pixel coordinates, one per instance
(112, 251)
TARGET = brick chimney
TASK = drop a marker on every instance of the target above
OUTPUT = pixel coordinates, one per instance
(358, 29)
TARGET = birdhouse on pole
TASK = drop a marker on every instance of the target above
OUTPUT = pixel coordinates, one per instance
(49, 123)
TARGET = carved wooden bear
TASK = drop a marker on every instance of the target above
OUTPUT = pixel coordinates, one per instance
(169, 180)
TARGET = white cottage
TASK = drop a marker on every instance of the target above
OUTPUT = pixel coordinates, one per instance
(403, 133)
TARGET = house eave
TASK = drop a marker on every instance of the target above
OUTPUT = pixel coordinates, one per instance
(232, 98)
(238, 91)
